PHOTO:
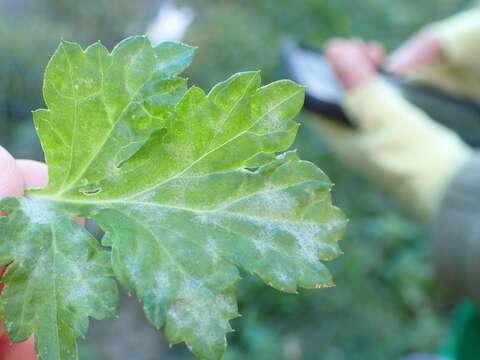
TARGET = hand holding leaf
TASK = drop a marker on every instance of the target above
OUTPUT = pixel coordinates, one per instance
(15, 176)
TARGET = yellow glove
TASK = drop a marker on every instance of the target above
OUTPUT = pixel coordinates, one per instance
(445, 55)
(460, 39)
(397, 146)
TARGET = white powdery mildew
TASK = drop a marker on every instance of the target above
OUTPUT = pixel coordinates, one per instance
(147, 197)
(273, 201)
(77, 237)
(180, 187)
(133, 269)
(197, 307)
(265, 241)
(77, 284)
(208, 218)
(21, 251)
(38, 213)
(212, 249)
(152, 216)
(43, 265)
(187, 310)
(203, 218)
(77, 294)
(262, 247)
(273, 119)
(307, 236)
(282, 276)
(161, 286)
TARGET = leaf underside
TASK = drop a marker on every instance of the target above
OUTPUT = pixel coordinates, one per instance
(188, 187)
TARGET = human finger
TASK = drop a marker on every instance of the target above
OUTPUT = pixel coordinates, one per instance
(35, 176)
(11, 179)
(12, 183)
(422, 50)
(375, 52)
(35, 173)
(20, 351)
(350, 62)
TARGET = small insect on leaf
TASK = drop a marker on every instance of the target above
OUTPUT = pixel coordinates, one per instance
(188, 187)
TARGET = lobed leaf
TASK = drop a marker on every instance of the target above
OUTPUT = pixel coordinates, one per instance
(188, 187)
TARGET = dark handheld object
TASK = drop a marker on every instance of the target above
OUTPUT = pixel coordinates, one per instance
(325, 95)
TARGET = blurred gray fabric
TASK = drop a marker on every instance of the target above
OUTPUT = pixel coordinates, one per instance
(456, 234)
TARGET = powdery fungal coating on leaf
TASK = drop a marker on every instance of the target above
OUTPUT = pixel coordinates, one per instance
(188, 187)
(58, 277)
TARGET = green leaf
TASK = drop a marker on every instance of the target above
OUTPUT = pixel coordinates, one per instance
(59, 276)
(187, 186)
(102, 107)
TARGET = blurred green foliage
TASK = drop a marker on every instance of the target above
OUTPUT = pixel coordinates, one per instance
(386, 303)
(238, 35)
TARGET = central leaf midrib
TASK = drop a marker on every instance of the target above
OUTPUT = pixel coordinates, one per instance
(220, 210)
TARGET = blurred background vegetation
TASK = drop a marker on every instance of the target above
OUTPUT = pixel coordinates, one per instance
(386, 303)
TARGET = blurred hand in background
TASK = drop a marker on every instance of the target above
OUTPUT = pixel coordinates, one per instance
(443, 55)
(354, 61)
(393, 143)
